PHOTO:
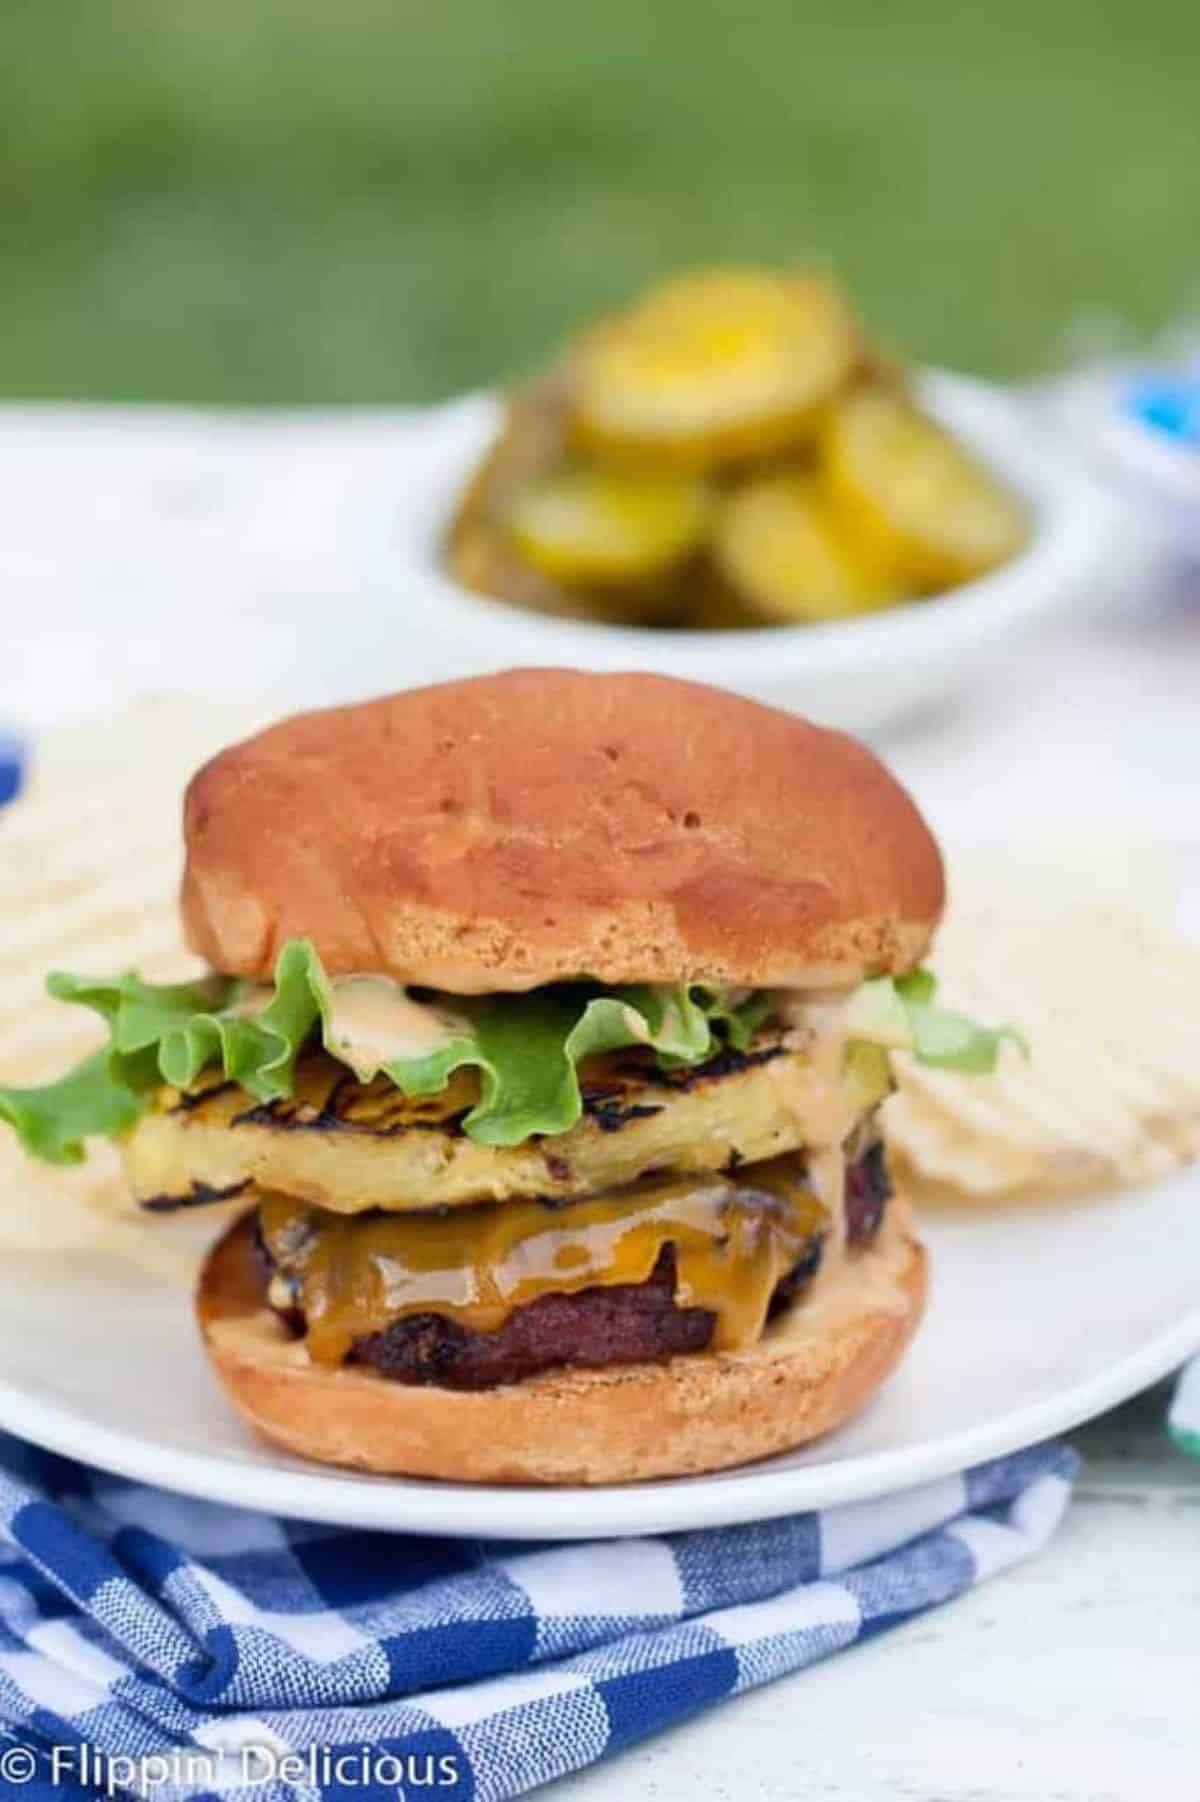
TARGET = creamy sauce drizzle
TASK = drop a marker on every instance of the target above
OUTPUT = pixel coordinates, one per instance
(817, 1094)
(373, 1021)
(253, 998)
(859, 1280)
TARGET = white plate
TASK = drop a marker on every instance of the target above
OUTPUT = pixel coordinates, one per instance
(1040, 1317)
(855, 674)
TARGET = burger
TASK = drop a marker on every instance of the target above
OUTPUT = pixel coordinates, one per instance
(549, 1020)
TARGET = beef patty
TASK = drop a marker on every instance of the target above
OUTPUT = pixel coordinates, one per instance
(627, 1323)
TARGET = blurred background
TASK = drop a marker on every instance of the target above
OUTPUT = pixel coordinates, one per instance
(299, 222)
(390, 200)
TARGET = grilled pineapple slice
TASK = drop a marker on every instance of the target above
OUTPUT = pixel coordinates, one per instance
(589, 527)
(350, 1146)
(915, 502)
(713, 367)
(776, 546)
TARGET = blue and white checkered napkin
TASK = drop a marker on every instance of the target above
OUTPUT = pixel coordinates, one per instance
(184, 1649)
(12, 759)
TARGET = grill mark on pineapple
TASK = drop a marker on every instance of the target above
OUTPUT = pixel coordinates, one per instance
(380, 1110)
(391, 1119)
(610, 1115)
(188, 1101)
(197, 1196)
(727, 1062)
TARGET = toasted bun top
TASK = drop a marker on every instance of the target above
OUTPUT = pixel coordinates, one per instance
(540, 825)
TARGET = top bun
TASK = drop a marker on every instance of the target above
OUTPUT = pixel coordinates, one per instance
(541, 825)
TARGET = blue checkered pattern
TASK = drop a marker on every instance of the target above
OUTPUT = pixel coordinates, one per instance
(139, 1624)
(12, 762)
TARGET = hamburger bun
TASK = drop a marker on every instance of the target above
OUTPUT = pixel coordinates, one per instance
(543, 825)
(816, 1365)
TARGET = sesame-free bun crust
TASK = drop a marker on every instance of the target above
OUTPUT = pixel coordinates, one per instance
(813, 1368)
(542, 825)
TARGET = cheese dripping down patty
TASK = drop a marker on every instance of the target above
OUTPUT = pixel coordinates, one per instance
(735, 1239)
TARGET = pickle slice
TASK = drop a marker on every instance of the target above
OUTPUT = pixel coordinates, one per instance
(713, 367)
(591, 528)
(775, 543)
(913, 499)
(531, 441)
(482, 557)
(713, 605)
(479, 550)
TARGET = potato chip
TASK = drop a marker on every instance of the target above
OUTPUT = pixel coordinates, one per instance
(88, 878)
(1110, 1095)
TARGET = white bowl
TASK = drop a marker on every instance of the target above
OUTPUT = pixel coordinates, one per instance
(856, 673)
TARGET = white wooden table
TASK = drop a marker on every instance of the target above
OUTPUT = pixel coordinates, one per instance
(1074, 1679)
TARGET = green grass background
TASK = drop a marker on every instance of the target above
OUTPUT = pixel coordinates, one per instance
(375, 200)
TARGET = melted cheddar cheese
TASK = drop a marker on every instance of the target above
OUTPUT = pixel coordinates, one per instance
(735, 1239)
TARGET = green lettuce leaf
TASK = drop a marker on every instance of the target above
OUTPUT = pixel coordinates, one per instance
(192, 1026)
(52, 1122)
(527, 1048)
(903, 1012)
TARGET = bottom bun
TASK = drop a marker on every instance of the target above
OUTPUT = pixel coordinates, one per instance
(816, 1365)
